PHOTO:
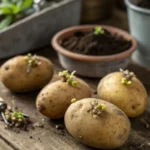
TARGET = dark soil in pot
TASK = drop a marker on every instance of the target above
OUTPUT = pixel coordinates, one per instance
(98, 42)
(144, 4)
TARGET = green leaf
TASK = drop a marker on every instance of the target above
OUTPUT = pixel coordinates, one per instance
(8, 8)
(15, 9)
(5, 11)
(6, 22)
(26, 4)
(98, 30)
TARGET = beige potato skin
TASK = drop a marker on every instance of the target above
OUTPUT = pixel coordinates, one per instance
(55, 98)
(15, 77)
(109, 131)
(131, 99)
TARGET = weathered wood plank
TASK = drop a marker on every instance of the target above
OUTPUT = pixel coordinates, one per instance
(4, 146)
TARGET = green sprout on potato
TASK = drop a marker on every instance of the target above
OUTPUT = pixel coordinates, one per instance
(98, 30)
(68, 78)
(127, 77)
(32, 61)
(98, 109)
(73, 100)
(101, 107)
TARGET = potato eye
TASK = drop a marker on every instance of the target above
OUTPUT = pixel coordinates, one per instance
(6, 67)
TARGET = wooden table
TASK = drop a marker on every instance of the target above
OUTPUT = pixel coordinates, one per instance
(48, 137)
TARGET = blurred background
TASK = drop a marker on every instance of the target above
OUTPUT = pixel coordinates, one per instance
(27, 25)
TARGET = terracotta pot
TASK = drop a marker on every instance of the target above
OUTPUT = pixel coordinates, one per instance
(92, 66)
(95, 10)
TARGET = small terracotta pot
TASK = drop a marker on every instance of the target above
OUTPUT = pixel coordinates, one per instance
(92, 66)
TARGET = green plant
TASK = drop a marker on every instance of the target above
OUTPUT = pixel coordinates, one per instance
(11, 10)
(17, 115)
(127, 77)
(98, 109)
(98, 30)
(32, 61)
(69, 78)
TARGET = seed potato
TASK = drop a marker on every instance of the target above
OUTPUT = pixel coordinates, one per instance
(97, 123)
(132, 98)
(26, 73)
(55, 98)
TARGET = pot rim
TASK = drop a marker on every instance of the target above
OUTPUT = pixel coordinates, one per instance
(136, 8)
(88, 58)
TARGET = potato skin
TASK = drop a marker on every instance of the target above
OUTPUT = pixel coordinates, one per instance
(109, 131)
(131, 99)
(55, 98)
(15, 77)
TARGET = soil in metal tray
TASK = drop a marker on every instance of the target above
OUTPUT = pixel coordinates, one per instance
(144, 4)
(97, 43)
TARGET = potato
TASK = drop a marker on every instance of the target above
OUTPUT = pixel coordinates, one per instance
(55, 98)
(26, 73)
(97, 123)
(132, 99)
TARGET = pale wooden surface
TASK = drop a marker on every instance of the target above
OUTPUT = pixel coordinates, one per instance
(47, 138)
(4, 146)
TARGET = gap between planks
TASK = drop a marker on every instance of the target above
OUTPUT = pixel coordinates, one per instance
(6, 145)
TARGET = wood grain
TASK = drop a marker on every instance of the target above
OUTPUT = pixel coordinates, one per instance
(4, 146)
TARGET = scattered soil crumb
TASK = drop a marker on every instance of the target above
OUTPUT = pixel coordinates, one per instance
(39, 139)
(60, 129)
(38, 125)
(43, 120)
